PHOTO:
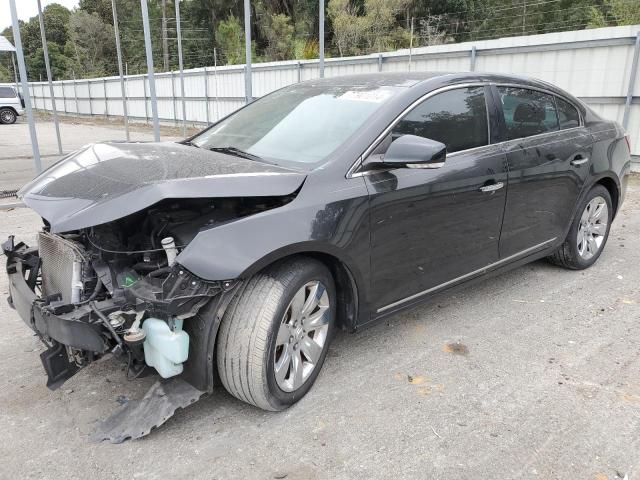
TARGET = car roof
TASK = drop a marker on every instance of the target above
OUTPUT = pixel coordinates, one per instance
(411, 79)
(380, 79)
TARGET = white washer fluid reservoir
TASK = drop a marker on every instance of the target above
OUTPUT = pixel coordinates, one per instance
(165, 349)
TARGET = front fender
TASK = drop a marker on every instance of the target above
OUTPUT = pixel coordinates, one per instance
(339, 227)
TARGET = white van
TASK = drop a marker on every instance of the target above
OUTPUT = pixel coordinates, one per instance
(11, 104)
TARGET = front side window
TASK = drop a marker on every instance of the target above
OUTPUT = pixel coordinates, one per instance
(298, 125)
(527, 112)
(567, 114)
(7, 92)
(457, 118)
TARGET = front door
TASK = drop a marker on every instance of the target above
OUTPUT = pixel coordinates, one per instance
(431, 226)
(548, 153)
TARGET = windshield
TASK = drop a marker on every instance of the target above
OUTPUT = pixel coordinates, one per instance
(301, 124)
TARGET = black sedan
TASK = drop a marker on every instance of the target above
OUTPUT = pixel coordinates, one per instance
(327, 204)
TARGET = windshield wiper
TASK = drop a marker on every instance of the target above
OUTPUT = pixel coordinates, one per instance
(189, 143)
(236, 152)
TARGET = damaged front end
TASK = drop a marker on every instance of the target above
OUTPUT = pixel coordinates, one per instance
(117, 288)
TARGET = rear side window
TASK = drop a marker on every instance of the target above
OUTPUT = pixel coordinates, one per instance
(527, 112)
(567, 114)
(457, 118)
(7, 92)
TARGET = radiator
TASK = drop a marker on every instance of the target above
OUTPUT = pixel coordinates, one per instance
(62, 262)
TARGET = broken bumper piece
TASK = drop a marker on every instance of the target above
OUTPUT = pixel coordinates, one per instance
(138, 417)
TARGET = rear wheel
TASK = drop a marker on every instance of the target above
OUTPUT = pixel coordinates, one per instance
(588, 233)
(275, 335)
(7, 116)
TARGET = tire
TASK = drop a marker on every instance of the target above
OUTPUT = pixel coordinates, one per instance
(250, 340)
(578, 255)
(7, 116)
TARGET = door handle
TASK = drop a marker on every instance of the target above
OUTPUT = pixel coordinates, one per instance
(492, 188)
(579, 160)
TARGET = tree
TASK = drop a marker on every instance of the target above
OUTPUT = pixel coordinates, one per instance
(90, 44)
(279, 35)
(230, 38)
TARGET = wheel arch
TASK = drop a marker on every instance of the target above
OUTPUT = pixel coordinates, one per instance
(349, 284)
(608, 182)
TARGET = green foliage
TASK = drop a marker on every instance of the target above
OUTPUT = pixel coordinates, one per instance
(230, 37)
(82, 41)
(279, 35)
(91, 44)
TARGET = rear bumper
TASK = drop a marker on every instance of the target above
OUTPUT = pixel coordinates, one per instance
(48, 323)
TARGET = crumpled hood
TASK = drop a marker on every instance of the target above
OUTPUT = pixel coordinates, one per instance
(107, 181)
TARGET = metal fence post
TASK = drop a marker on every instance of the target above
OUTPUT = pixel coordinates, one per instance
(321, 39)
(45, 49)
(64, 98)
(150, 73)
(146, 106)
(299, 72)
(206, 95)
(632, 83)
(216, 109)
(379, 62)
(90, 98)
(25, 85)
(181, 68)
(106, 100)
(248, 90)
(75, 93)
(472, 65)
(173, 98)
(15, 72)
(116, 30)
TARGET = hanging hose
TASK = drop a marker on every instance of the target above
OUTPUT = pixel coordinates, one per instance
(106, 323)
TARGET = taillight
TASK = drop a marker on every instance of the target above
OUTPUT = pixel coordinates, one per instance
(628, 140)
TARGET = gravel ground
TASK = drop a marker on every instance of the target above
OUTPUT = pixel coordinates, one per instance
(532, 374)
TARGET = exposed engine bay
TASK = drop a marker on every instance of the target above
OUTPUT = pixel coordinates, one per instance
(117, 287)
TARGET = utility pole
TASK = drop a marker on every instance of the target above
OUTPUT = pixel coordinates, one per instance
(180, 65)
(45, 49)
(25, 85)
(411, 44)
(524, 17)
(165, 43)
(150, 72)
(321, 39)
(116, 30)
(248, 90)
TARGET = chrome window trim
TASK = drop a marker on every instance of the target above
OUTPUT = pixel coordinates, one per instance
(352, 171)
(479, 271)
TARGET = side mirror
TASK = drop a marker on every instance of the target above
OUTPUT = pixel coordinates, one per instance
(411, 151)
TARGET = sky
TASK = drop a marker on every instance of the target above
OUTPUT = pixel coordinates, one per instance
(28, 9)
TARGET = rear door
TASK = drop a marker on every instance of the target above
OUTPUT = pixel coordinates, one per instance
(432, 226)
(548, 151)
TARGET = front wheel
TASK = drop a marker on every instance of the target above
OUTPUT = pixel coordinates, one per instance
(7, 116)
(588, 233)
(275, 334)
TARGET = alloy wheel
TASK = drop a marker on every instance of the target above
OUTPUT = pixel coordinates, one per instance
(592, 228)
(7, 116)
(301, 336)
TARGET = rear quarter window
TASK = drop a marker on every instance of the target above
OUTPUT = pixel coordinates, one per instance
(567, 114)
(7, 92)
